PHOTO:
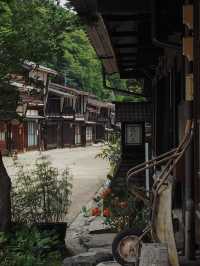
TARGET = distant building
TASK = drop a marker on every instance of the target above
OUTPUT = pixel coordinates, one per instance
(52, 115)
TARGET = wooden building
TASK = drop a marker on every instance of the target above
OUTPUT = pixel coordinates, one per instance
(158, 42)
(52, 115)
(59, 103)
(3, 134)
(65, 108)
(99, 119)
(25, 131)
(22, 130)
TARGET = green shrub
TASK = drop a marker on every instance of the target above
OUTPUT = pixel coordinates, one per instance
(28, 247)
(42, 194)
(111, 150)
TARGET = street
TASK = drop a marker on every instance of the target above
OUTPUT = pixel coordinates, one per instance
(88, 172)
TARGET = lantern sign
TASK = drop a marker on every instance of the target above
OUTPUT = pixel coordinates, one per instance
(133, 134)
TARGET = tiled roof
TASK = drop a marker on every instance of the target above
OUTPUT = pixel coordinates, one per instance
(31, 66)
(100, 104)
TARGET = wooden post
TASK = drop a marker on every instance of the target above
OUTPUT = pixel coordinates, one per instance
(5, 204)
(189, 164)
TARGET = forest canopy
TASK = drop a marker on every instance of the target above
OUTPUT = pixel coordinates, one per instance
(48, 34)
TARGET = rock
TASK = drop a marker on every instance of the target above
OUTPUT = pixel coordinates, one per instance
(97, 224)
(74, 234)
(87, 259)
(98, 240)
(105, 250)
(80, 236)
(109, 263)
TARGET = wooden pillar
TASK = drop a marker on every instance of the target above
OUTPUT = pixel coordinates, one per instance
(189, 162)
(197, 112)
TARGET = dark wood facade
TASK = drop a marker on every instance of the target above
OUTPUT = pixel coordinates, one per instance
(3, 135)
(158, 42)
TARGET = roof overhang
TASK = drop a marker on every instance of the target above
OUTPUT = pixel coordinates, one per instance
(33, 66)
(116, 29)
(122, 32)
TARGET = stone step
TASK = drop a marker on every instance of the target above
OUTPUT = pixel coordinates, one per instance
(91, 258)
(109, 263)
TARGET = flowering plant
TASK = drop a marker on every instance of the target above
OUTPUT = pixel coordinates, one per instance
(119, 211)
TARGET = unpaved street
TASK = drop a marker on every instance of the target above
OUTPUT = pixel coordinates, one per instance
(88, 172)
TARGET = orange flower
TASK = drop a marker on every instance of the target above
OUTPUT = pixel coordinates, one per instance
(96, 212)
(106, 213)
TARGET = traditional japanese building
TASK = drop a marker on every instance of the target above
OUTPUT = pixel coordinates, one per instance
(50, 115)
(158, 42)
(73, 117)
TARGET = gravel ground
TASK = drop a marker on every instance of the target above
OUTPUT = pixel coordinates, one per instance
(88, 172)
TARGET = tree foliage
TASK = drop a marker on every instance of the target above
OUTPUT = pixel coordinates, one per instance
(48, 34)
(32, 30)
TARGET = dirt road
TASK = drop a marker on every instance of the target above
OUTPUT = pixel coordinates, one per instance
(88, 172)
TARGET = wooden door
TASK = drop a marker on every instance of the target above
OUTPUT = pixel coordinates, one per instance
(18, 138)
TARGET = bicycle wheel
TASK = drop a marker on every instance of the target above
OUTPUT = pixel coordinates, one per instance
(126, 246)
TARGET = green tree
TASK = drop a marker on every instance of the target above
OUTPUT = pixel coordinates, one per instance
(80, 64)
(32, 30)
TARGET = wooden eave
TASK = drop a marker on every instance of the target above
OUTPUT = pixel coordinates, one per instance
(100, 40)
(97, 33)
(122, 32)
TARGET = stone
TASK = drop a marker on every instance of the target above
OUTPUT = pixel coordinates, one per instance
(99, 240)
(87, 259)
(109, 263)
(104, 249)
(87, 232)
(98, 224)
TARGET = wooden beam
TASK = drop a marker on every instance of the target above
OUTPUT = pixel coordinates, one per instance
(119, 6)
(131, 17)
(126, 45)
(122, 33)
(134, 45)
(123, 54)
